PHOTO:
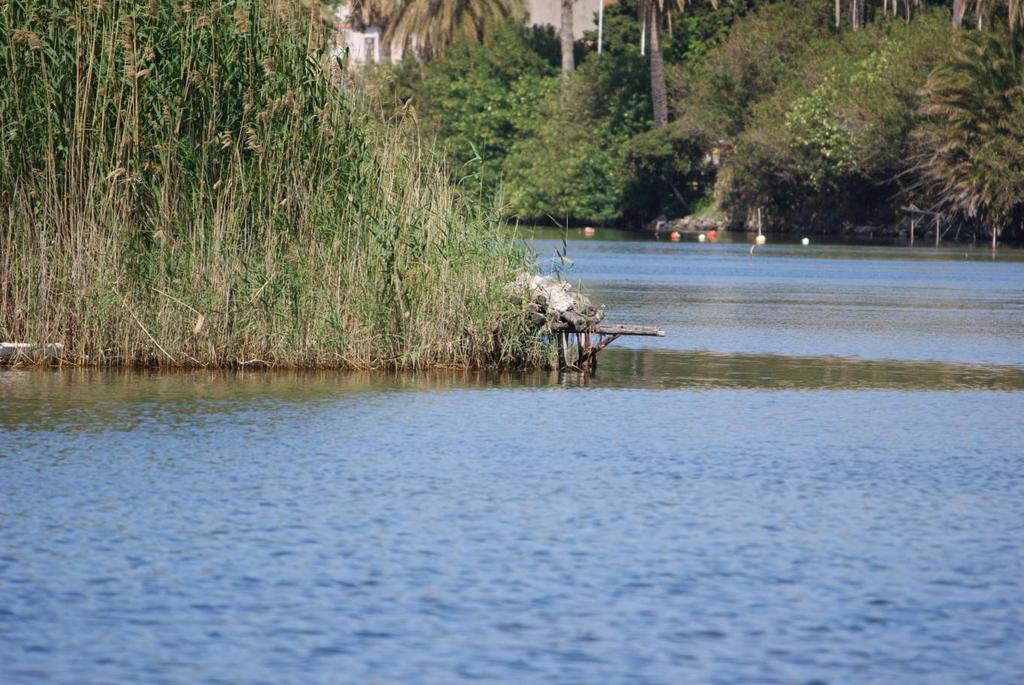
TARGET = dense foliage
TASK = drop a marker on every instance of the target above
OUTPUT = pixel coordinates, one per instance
(577, 149)
(771, 106)
(831, 140)
(571, 167)
(483, 97)
(507, 117)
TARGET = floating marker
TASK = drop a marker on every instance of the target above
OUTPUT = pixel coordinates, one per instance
(674, 236)
(805, 241)
(589, 231)
(760, 240)
(701, 238)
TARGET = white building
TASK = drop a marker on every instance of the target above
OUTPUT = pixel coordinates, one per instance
(363, 43)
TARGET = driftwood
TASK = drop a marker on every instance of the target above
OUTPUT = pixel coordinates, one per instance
(629, 330)
(555, 310)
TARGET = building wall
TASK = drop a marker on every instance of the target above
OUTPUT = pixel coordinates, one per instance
(363, 46)
(584, 15)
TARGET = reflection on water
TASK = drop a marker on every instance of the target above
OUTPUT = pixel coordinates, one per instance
(670, 369)
(31, 396)
(817, 477)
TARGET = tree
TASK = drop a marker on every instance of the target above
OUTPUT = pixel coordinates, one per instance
(432, 25)
(481, 98)
(959, 9)
(666, 170)
(652, 16)
(568, 63)
(1015, 14)
(972, 141)
(659, 96)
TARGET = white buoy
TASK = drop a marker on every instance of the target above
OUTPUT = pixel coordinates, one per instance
(701, 238)
(805, 241)
(760, 240)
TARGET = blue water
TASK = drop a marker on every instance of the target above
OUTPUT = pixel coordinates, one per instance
(761, 513)
(953, 304)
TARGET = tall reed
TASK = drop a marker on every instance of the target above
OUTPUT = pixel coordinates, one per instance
(192, 183)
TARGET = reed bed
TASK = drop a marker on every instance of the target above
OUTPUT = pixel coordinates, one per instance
(192, 183)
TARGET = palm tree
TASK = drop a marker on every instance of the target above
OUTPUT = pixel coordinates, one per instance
(434, 24)
(1016, 14)
(959, 10)
(568, 62)
(972, 141)
(652, 16)
(654, 12)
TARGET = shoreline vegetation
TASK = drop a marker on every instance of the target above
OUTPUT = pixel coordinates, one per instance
(829, 118)
(195, 184)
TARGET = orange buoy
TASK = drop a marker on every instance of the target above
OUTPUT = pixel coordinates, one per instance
(712, 235)
(589, 231)
(674, 236)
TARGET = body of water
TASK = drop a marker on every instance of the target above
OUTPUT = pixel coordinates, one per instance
(817, 476)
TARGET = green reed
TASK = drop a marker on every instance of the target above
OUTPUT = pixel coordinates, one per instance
(195, 183)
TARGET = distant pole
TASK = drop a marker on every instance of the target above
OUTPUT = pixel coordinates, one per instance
(912, 224)
(600, 24)
(938, 232)
(995, 232)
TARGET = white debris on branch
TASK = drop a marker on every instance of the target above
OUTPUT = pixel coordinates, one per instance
(554, 310)
(552, 306)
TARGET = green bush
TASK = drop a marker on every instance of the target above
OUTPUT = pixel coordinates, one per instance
(666, 170)
(479, 98)
(832, 142)
(571, 167)
(568, 170)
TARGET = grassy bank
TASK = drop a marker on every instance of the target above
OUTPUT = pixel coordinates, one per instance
(192, 184)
